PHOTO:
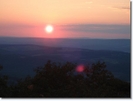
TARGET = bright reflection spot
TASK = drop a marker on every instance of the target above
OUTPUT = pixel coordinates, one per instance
(80, 68)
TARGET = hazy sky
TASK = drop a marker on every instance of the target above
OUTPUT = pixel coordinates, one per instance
(70, 18)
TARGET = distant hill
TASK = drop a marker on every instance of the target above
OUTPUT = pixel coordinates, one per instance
(19, 60)
(94, 44)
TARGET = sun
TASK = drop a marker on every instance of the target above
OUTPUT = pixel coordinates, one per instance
(49, 28)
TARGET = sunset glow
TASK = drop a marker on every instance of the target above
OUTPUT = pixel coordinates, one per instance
(24, 18)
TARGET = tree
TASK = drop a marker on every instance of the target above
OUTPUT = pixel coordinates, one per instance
(4, 89)
(62, 80)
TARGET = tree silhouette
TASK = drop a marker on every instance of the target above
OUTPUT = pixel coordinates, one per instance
(4, 89)
(56, 80)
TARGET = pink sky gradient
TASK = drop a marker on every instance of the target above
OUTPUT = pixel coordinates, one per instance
(22, 18)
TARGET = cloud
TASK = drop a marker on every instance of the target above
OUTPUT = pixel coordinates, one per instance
(74, 30)
(122, 8)
(11, 26)
(98, 28)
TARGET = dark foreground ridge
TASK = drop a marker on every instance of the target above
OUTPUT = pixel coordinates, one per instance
(67, 80)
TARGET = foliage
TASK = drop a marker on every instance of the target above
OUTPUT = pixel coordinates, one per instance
(3, 85)
(62, 80)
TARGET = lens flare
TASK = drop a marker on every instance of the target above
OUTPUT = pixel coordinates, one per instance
(80, 68)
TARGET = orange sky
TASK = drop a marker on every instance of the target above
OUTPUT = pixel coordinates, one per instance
(63, 12)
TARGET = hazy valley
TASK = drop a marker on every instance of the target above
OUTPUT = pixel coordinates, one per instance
(20, 59)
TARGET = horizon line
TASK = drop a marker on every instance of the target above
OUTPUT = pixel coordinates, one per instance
(66, 38)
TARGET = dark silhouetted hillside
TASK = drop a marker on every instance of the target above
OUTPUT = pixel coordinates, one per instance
(56, 80)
